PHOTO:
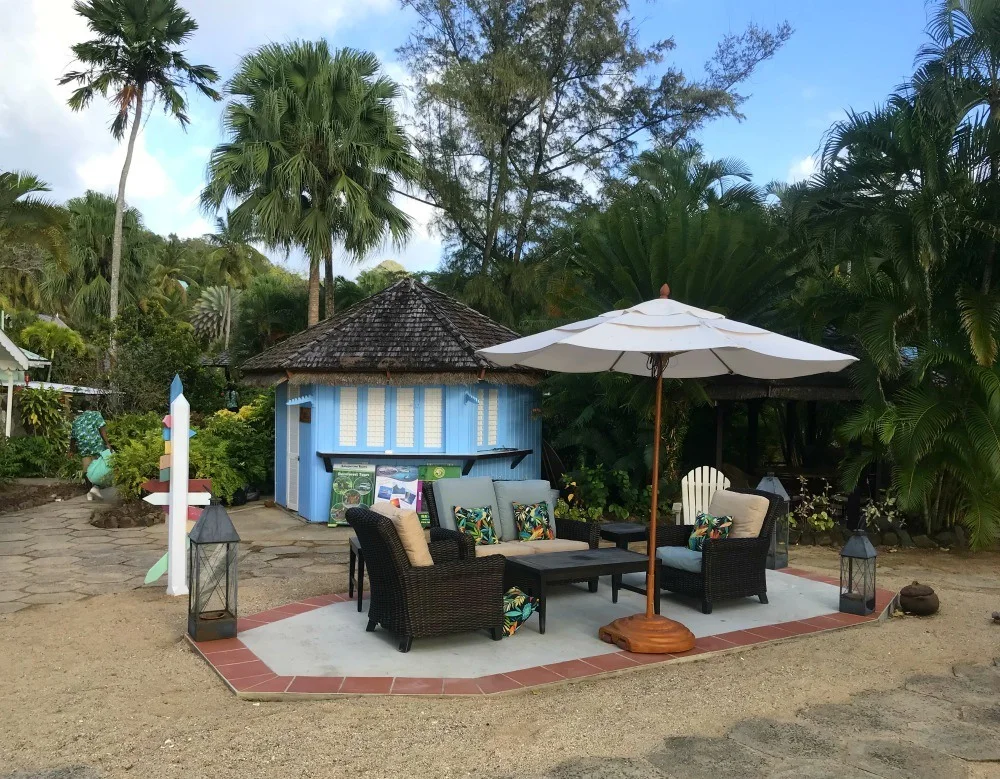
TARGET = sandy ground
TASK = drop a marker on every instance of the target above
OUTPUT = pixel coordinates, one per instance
(109, 683)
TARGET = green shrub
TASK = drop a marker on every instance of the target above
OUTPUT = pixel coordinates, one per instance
(135, 461)
(43, 411)
(34, 456)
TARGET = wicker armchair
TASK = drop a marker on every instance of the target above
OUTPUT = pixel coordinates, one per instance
(730, 568)
(452, 596)
(573, 529)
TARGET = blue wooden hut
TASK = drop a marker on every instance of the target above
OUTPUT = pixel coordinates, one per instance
(394, 382)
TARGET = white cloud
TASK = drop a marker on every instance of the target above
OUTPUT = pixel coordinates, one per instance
(146, 179)
(803, 169)
(809, 92)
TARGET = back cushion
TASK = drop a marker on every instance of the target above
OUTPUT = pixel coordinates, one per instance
(747, 511)
(526, 492)
(470, 492)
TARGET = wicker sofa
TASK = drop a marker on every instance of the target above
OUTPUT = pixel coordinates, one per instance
(440, 497)
(458, 593)
(727, 568)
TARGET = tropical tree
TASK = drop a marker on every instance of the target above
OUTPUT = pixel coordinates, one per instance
(31, 230)
(50, 338)
(214, 313)
(314, 155)
(81, 289)
(135, 60)
(272, 308)
(232, 260)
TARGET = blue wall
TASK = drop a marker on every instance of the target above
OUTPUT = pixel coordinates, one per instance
(517, 427)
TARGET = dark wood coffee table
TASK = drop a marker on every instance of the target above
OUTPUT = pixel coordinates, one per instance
(534, 573)
(623, 533)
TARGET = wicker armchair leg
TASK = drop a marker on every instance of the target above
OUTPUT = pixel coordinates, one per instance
(405, 642)
(496, 633)
(706, 607)
(371, 626)
(763, 598)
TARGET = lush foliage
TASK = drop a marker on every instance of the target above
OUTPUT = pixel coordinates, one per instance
(34, 456)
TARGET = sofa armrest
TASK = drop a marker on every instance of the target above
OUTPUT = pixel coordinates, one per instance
(673, 535)
(487, 568)
(444, 539)
(578, 530)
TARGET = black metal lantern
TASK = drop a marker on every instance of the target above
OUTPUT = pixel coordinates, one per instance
(857, 575)
(212, 575)
(777, 552)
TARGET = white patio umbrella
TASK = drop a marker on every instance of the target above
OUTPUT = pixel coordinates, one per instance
(663, 338)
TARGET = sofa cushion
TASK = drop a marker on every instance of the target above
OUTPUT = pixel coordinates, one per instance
(410, 532)
(525, 491)
(477, 523)
(555, 545)
(747, 511)
(466, 491)
(680, 557)
(532, 521)
(506, 548)
(708, 526)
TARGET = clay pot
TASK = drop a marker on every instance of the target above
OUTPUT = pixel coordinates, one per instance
(918, 599)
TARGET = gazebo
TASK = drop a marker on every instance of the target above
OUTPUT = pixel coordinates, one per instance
(390, 392)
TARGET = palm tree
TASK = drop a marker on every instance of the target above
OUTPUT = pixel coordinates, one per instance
(215, 312)
(173, 276)
(81, 288)
(314, 154)
(232, 259)
(32, 231)
(272, 308)
(135, 59)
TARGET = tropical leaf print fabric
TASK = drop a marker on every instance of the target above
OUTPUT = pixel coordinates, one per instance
(477, 523)
(532, 521)
(707, 526)
(517, 607)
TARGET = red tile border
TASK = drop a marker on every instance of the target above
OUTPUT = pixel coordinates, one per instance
(416, 686)
(367, 684)
(249, 676)
(315, 685)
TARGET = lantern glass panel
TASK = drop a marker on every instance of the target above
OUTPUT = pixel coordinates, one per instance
(777, 554)
(857, 576)
(215, 587)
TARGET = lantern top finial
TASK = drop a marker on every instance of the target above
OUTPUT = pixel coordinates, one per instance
(665, 291)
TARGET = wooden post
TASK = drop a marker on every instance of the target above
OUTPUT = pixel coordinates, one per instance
(180, 423)
(10, 402)
(719, 425)
(791, 430)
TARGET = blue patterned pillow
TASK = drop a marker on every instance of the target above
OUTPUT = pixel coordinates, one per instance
(477, 523)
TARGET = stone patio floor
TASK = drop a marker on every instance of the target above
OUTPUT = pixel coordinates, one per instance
(52, 554)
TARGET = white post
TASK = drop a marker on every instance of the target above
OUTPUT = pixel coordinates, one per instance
(10, 402)
(180, 421)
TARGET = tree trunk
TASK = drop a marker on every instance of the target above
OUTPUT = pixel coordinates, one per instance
(493, 226)
(116, 240)
(228, 322)
(313, 291)
(328, 262)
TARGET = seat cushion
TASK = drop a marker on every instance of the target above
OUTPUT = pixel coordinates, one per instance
(466, 491)
(680, 557)
(526, 491)
(747, 511)
(410, 532)
(506, 548)
(555, 545)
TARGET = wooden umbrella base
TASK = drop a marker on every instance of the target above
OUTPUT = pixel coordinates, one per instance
(654, 635)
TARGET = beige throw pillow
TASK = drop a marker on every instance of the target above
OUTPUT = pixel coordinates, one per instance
(747, 511)
(410, 532)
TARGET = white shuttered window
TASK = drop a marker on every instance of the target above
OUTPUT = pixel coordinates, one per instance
(433, 418)
(404, 418)
(348, 416)
(480, 417)
(493, 415)
(375, 418)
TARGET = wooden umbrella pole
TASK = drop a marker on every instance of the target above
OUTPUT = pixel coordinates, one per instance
(651, 546)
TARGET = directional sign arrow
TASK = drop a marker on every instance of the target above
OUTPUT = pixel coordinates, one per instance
(193, 498)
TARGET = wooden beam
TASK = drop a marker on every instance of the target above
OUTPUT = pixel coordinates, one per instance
(753, 416)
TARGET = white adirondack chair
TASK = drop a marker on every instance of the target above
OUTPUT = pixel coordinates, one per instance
(697, 489)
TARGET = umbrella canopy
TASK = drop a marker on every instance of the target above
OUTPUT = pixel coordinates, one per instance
(694, 342)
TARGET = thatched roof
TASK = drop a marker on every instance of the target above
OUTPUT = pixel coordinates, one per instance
(408, 333)
(221, 360)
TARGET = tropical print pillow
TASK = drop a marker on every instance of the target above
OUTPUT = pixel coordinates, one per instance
(477, 523)
(532, 521)
(707, 526)
(517, 607)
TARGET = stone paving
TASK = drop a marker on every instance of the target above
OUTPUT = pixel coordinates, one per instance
(52, 554)
(934, 727)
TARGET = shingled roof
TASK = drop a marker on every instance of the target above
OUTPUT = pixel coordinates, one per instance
(407, 328)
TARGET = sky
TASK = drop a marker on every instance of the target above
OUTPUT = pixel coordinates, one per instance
(842, 55)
